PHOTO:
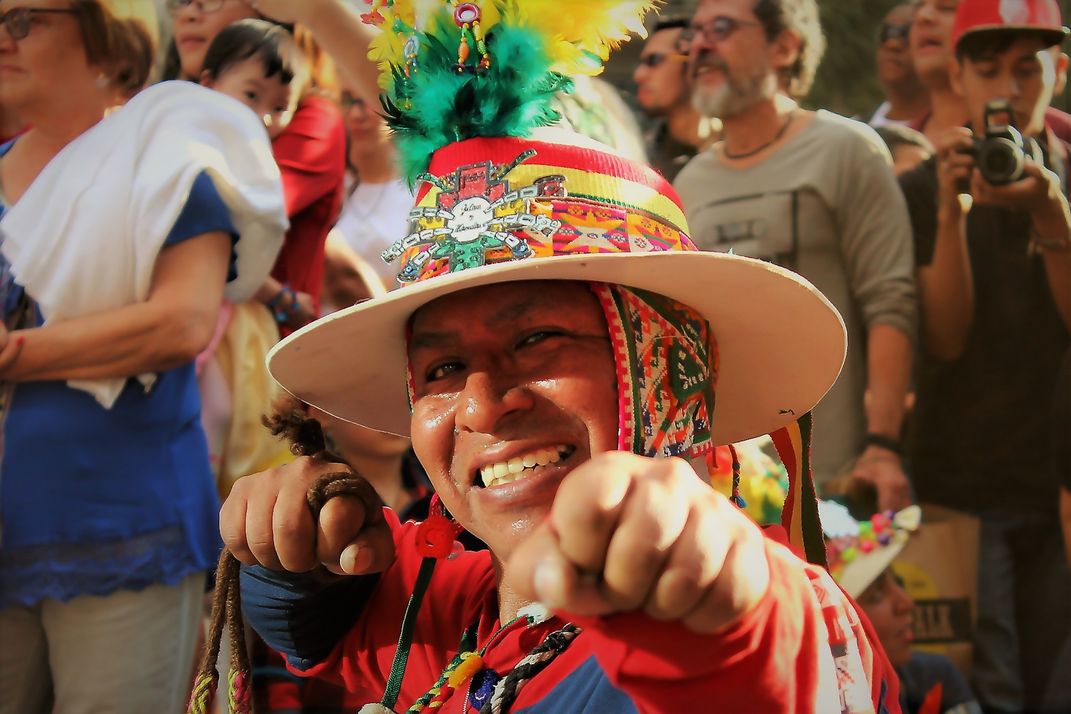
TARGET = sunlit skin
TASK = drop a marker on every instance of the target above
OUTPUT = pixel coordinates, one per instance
(500, 372)
(907, 156)
(736, 65)
(890, 609)
(195, 30)
(269, 97)
(1026, 74)
(931, 39)
(47, 69)
(659, 89)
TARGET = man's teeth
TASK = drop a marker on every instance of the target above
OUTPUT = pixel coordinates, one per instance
(521, 466)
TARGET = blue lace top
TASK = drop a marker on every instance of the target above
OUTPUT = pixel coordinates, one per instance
(95, 500)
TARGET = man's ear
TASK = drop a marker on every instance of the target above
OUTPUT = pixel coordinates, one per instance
(1061, 74)
(785, 50)
(955, 75)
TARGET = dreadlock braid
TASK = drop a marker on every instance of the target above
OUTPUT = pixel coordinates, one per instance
(507, 689)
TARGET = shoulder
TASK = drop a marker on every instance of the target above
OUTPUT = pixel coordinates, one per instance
(698, 169)
(920, 181)
(848, 134)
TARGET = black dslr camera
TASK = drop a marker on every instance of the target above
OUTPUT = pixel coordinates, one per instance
(1000, 154)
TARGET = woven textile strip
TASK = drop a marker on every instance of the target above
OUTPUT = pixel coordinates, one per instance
(800, 514)
(667, 369)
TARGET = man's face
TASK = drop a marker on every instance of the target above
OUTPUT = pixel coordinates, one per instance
(931, 39)
(730, 61)
(661, 81)
(514, 385)
(894, 66)
(889, 608)
(1025, 74)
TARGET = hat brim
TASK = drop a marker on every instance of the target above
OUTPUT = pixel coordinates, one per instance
(858, 575)
(1050, 35)
(781, 342)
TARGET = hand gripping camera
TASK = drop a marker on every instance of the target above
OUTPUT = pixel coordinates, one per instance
(1000, 154)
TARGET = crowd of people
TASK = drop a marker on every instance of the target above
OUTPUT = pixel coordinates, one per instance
(556, 346)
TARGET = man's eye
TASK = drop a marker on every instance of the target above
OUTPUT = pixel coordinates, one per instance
(537, 337)
(442, 371)
(251, 96)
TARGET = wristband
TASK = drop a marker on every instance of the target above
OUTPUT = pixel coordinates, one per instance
(885, 442)
(282, 314)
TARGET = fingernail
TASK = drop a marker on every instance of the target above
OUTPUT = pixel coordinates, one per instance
(348, 560)
(548, 583)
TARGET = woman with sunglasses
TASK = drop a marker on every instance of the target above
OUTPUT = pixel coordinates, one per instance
(123, 225)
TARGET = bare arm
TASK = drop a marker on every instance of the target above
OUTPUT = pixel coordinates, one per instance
(946, 285)
(341, 34)
(166, 331)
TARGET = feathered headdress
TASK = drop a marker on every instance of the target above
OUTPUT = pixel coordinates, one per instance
(454, 70)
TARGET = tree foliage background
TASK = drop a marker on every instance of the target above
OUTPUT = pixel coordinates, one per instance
(845, 82)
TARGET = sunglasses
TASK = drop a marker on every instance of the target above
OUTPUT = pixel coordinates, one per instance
(17, 21)
(656, 58)
(717, 30)
(893, 32)
(207, 6)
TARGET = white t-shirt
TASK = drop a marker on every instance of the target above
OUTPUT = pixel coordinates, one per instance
(373, 218)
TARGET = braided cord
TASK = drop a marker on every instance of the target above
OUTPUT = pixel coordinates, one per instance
(466, 650)
(405, 637)
(507, 689)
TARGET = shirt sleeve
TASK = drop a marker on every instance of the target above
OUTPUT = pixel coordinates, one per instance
(803, 647)
(205, 212)
(919, 186)
(876, 235)
(311, 154)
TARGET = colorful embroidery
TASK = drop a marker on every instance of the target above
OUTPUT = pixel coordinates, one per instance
(667, 371)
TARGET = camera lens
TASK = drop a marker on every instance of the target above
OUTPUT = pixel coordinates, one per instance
(1000, 161)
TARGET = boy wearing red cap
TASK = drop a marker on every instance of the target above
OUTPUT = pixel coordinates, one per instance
(995, 292)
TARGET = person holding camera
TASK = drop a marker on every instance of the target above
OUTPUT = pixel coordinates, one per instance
(994, 277)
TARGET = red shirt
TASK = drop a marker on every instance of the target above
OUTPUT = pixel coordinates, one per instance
(804, 648)
(311, 154)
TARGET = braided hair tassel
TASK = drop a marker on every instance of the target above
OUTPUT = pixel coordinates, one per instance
(736, 498)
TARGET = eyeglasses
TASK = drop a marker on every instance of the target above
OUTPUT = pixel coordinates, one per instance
(893, 32)
(717, 30)
(177, 6)
(17, 21)
(656, 58)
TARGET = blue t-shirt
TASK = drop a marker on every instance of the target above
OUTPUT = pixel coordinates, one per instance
(93, 500)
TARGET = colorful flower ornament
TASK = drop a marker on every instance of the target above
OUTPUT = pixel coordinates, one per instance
(859, 551)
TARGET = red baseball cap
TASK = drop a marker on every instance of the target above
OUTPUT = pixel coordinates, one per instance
(1038, 16)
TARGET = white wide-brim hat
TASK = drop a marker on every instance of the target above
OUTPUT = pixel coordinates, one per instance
(781, 343)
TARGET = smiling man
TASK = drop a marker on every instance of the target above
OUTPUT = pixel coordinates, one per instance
(906, 99)
(555, 396)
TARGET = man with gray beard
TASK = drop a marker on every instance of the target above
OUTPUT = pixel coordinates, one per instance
(813, 192)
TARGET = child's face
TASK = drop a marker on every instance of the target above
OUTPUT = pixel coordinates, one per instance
(272, 100)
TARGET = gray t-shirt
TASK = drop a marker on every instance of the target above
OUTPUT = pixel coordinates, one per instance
(826, 205)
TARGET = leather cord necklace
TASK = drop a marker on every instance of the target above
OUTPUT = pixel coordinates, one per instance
(767, 145)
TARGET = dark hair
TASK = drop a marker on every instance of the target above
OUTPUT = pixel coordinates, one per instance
(800, 17)
(895, 135)
(124, 49)
(670, 22)
(977, 46)
(268, 42)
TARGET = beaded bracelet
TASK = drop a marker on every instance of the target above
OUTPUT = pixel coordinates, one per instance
(283, 314)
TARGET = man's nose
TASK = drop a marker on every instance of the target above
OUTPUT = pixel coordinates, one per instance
(486, 401)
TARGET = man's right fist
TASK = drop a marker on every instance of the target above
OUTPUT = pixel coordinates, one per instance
(267, 520)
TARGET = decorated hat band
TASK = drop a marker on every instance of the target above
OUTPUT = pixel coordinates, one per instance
(859, 551)
(486, 201)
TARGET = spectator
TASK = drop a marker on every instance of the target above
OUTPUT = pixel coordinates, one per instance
(121, 229)
(908, 147)
(995, 291)
(310, 154)
(860, 557)
(906, 99)
(813, 192)
(664, 94)
(376, 214)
